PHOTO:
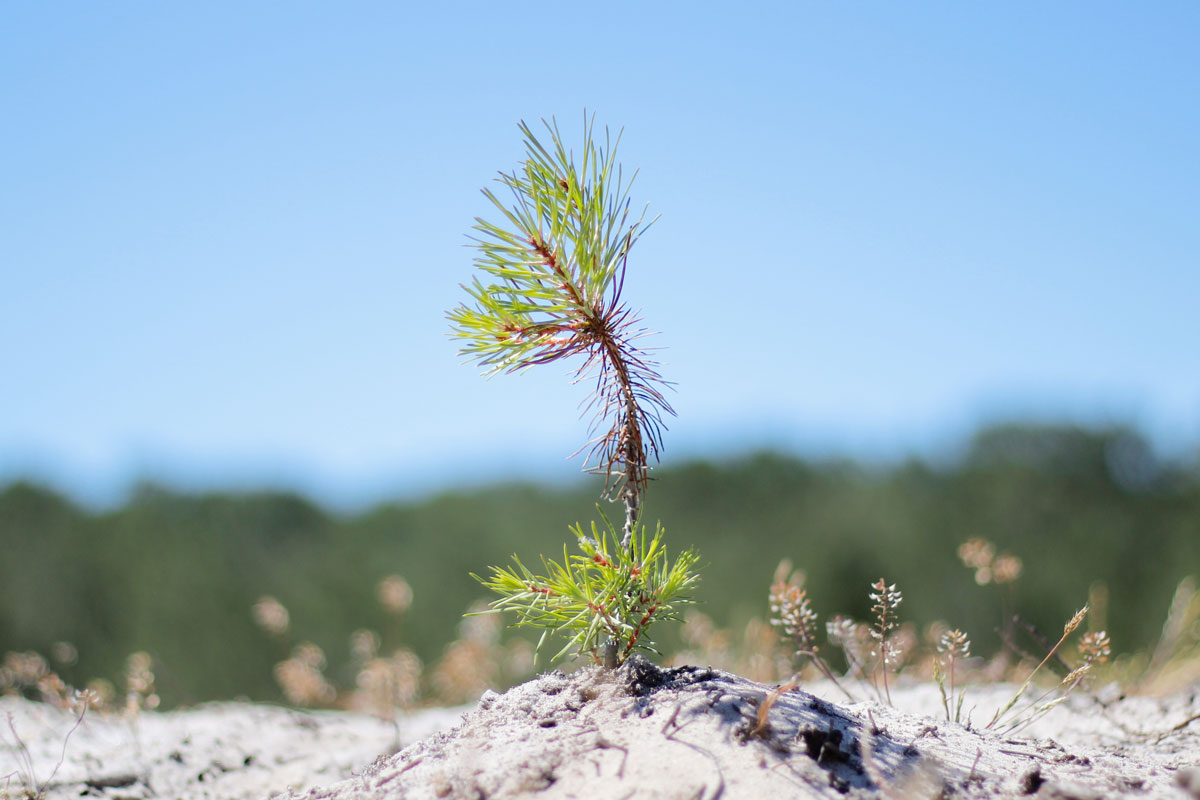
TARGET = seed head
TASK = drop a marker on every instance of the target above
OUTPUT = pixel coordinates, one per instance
(976, 553)
(794, 614)
(1095, 647)
(1006, 568)
(1076, 675)
(271, 616)
(395, 595)
(1075, 621)
(886, 598)
(955, 644)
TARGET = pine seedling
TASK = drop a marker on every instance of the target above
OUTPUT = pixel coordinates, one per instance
(887, 599)
(549, 287)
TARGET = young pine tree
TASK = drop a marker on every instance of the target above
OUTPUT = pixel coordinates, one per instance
(548, 287)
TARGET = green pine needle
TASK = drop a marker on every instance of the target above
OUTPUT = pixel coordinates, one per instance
(603, 592)
(549, 283)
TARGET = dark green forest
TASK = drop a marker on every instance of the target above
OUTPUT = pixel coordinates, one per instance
(176, 574)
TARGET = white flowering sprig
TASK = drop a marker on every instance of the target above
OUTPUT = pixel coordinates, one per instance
(954, 646)
(886, 599)
(794, 616)
(1095, 647)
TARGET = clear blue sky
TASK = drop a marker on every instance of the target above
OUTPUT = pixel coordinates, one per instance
(229, 232)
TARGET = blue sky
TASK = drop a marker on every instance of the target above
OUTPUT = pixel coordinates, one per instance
(229, 232)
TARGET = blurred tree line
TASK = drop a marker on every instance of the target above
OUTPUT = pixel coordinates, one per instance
(1091, 513)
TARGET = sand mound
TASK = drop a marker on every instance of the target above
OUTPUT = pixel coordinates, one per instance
(638, 732)
(700, 733)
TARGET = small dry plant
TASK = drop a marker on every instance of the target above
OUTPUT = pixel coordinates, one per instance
(31, 787)
(887, 599)
(390, 680)
(1094, 649)
(874, 651)
(953, 647)
(385, 683)
(871, 651)
(793, 614)
(28, 674)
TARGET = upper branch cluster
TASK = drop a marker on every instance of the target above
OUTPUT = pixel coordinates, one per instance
(556, 270)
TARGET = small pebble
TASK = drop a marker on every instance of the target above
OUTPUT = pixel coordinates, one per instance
(1031, 781)
(1068, 791)
(1188, 779)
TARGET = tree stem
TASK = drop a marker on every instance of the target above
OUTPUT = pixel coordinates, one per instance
(634, 454)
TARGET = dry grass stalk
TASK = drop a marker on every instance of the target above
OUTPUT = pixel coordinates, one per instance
(1068, 629)
(763, 726)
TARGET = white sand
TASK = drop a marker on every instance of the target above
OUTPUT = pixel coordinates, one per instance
(219, 750)
(638, 733)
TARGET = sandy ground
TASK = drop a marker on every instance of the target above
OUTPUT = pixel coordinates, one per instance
(219, 750)
(641, 732)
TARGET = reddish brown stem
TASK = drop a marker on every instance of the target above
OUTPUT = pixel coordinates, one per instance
(643, 623)
(634, 454)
